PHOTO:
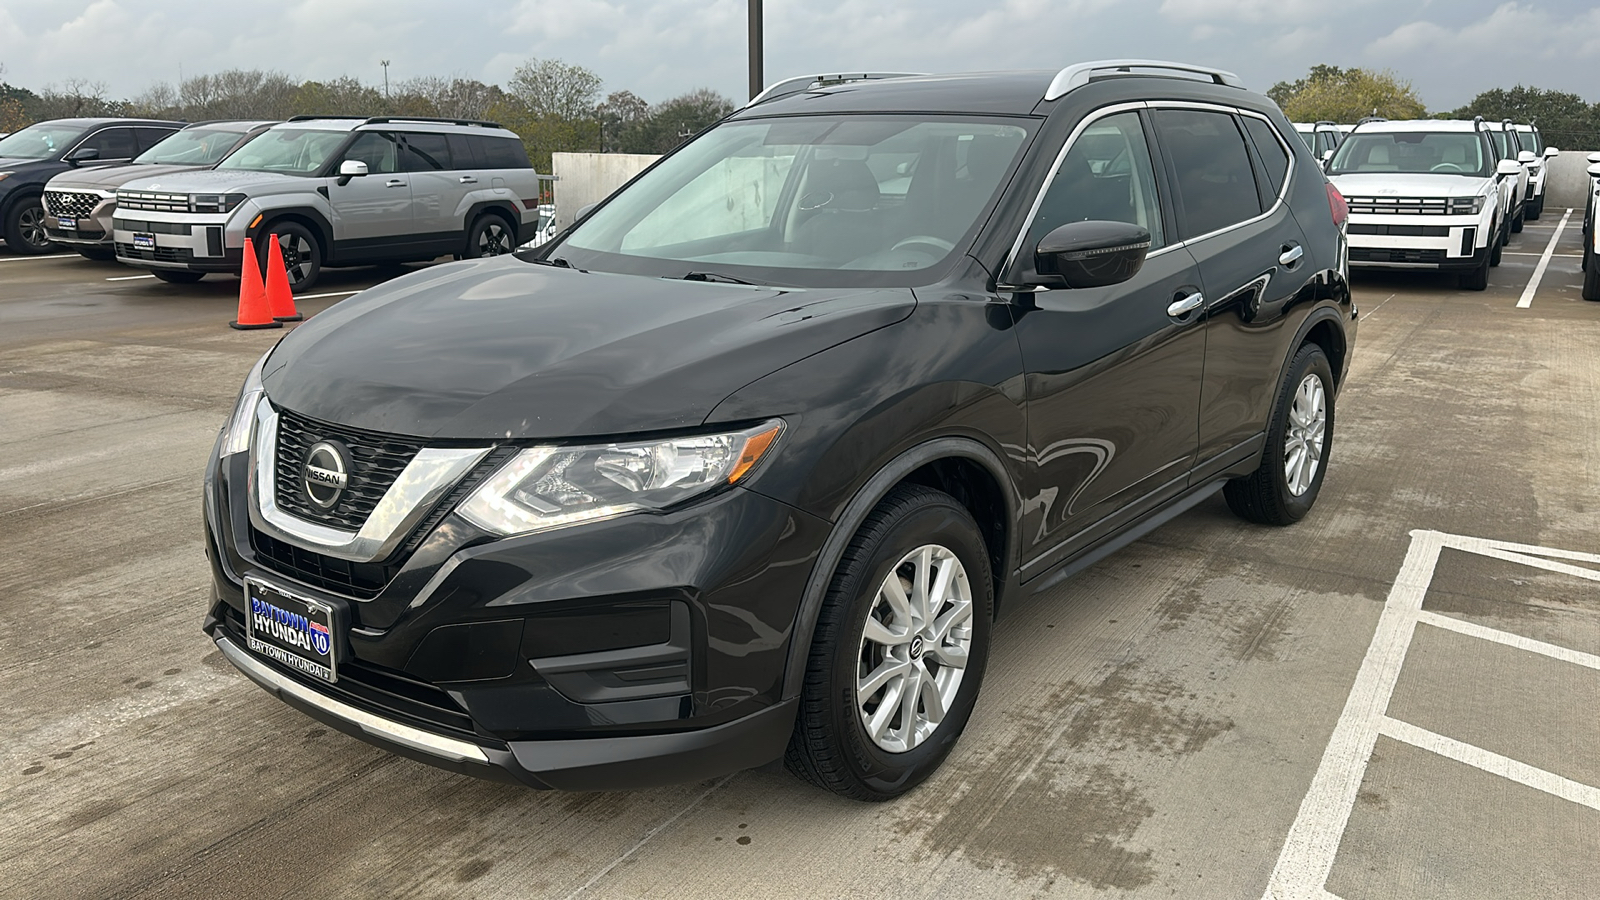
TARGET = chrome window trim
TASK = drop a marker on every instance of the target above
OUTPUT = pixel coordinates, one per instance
(424, 482)
(1097, 115)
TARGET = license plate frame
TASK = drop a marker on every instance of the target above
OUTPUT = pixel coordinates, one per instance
(290, 628)
(66, 223)
(144, 241)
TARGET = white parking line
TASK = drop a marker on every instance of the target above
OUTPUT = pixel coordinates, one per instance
(32, 258)
(1312, 845)
(129, 277)
(1544, 263)
(1531, 253)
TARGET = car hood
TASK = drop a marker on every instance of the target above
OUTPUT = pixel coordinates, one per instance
(503, 349)
(217, 181)
(112, 177)
(1395, 184)
(14, 164)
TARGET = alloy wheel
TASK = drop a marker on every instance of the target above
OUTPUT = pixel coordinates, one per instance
(1303, 443)
(296, 256)
(494, 240)
(914, 647)
(31, 224)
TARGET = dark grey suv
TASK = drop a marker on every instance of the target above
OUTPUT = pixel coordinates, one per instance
(744, 464)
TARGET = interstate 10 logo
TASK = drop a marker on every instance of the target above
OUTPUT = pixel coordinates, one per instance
(289, 628)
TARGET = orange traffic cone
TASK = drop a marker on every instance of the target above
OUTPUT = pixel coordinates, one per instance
(253, 310)
(279, 299)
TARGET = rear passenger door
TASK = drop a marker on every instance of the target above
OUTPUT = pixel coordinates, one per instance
(1251, 255)
(438, 189)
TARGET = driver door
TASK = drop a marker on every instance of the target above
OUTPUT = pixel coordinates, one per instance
(1113, 373)
(372, 213)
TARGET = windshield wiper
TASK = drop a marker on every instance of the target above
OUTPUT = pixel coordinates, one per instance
(558, 262)
(715, 278)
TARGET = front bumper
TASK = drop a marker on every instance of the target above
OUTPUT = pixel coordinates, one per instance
(643, 650)
(194, 242)
(1385, 240)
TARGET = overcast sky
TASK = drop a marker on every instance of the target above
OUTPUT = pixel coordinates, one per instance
(1449, 49)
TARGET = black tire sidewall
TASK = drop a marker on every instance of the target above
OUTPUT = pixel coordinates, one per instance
(481, 224)
(13, 227)
(1309, 359)
(946, 523)
(290, 229)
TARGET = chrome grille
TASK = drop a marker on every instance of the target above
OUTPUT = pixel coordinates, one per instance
(376, 460)
(1400, 206)
(153, 201)
(73, 204)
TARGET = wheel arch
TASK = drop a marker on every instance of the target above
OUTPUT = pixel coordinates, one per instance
(310, 218)
(960, 466)
(502, 208)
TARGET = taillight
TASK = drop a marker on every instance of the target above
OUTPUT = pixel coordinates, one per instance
(1337, 206)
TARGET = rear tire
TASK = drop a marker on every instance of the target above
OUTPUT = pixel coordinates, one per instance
(490, 235)
(1299, 443)
(178, 276)
(875, 642)
(24, 228)
(302, 253)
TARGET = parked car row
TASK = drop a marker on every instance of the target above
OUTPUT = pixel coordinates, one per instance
(180, 200)
(1432, 194)
(1591, 233)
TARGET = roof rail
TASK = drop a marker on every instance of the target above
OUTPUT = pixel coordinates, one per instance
(1076, 76)
(312, 118)
(380, 120)
(806, 82)
(1365, 119)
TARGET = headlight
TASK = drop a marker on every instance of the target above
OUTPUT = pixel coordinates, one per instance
(236, 436)
(550, 487)
(4, 175)
(214, 203)
(1466, 206)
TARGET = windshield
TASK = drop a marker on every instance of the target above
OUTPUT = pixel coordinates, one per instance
(809, 200)
(1445, 153)
(290, 151)
(191, 147)
(39, 141)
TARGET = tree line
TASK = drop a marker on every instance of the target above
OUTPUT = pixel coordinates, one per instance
(552, 105)
(1329, 93)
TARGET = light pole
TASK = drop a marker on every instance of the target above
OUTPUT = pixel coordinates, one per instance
(757, 83)
(385, 64)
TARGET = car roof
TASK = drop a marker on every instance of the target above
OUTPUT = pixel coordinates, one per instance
(391, 123)
(1006, 93)
(239, 125)
(91, 122)
(1408, 126)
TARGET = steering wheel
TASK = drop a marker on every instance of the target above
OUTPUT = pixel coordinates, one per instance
(1449, 167)
(925, 240)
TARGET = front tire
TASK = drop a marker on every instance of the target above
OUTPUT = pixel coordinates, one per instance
(302, 253)
(1536, 209)
(1516, 223)
(1591, 275)
(1299, 444)
(899, 650)
(24, 228)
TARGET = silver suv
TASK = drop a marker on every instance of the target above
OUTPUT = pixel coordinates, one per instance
(80, 203)
(336, 192)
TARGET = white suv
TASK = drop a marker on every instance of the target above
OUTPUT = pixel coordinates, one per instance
(1591, 233)
(1506, 146)
(336, 192)
(1535, 155)
(1426, 194)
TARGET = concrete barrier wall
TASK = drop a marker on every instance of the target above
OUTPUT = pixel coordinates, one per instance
(1569, 180)
(585, 178)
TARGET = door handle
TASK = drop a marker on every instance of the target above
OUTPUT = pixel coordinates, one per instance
(468, 179)
(1186, 304)
(1291, 255)
(394, 182)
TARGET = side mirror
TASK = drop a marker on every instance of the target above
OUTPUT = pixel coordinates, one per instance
(1527, 156)
(583, 212)
(1092, 254)
(1508, 167)
(82, 155)
(1327, 157)
(1594, 157)
(351, 168)
(1551, 153)
(1594, 170)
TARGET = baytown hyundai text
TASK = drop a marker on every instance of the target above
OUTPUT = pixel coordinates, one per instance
(743, 466)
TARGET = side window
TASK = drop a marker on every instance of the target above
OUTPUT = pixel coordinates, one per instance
(149, 137)
(113, 143)
(502, 153)
(427, 152)
(1215, 182)
(461, 151)
(378, 150)
(1272, 154)
(1106, 176)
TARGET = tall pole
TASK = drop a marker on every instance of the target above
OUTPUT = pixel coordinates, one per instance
(757, 82)
(385, 80)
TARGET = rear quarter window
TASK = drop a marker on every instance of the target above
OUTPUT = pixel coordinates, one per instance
(1273, 156)
(501, 153)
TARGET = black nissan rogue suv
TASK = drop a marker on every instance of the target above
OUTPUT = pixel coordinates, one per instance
(743, 465)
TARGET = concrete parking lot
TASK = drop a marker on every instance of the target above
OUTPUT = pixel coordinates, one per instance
(1395, 698)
